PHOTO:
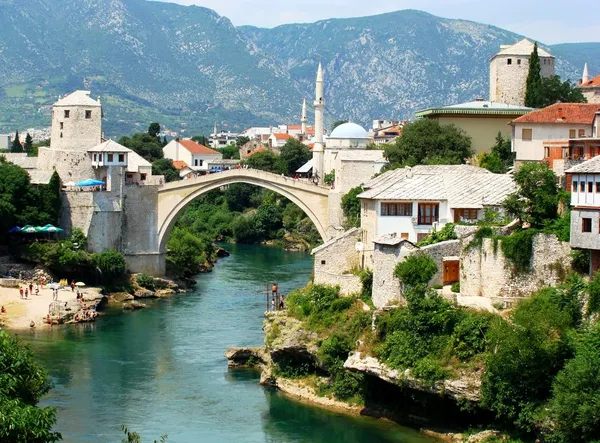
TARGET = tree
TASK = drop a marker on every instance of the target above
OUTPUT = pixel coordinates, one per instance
(230, 151)
(111, 263)
(337, 123)
(534, 79)
(16, 144)
(264, 160)
(426, 141)
(50, 201)
(17, 197)
(164, 166)
(500, 158)
(239, 196)
(154, 130)
(28, 147)
(351, 206)
(145, 145)
(552, 90)
(241, 141)
(536, 200)
(416, 270)
(22, 383)
(186, 252)
(201, 139)
(164, 141)
(293, 155)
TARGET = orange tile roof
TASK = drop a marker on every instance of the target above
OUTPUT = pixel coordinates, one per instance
(195, 148)
(254, 151)
(593, 82)
(582, 113)
(179, 164)
(282, 136)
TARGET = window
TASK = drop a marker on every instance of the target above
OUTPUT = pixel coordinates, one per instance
(509, 61)
(88, 114)
(67, 113)
(590, 187)
(110, 157)
(62, 125)
(526, 134)
(404, 235)
(518, 61)
(571, 133)
(396, 209)
(581, 133)
(121, 158)
(545, 61)
(421, 235)
(469, 214)
(95, 158)
(574, 187)
(428, 213)
(546, 152)
(196, 162)
(323, 262)
(582, 186)
(586, 225)
(142, 177)
(565, 152)
(201, 161)
(597, 186)
(61, 135)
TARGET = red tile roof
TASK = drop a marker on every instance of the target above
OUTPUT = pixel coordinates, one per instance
(582, 113)
(195, 148)
(254, 151)
(593, 82)
(282, 136)
(179, 164)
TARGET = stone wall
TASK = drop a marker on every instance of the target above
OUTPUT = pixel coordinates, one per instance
(486, 272)
(71, 165)
(335, 259)
(437, 252)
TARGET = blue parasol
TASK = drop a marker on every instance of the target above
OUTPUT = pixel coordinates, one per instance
(90, 182)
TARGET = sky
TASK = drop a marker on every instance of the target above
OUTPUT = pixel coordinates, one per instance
(548, 21)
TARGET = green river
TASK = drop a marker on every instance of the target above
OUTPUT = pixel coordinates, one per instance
(161, 370)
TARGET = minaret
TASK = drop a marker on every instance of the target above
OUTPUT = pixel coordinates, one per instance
(303, 119)
(586, 75)
(318, 149)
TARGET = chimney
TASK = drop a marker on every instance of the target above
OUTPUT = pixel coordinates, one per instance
(409, 172)
(479, 99)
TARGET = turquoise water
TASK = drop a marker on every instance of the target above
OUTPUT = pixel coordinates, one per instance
(161, 370)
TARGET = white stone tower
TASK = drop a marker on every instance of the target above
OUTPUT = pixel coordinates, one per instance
(318, 148)
(509, 69)
(303, 119)
(586, 75)
(76, 127)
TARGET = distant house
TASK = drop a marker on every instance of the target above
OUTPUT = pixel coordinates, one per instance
(386, 134)
(276, 141)
(480, 119)
(4, 142)
(590, 87)
(584, 184)
(110, 153)
(410, 202)
(196, 156)
(247, 148)
(561, 135)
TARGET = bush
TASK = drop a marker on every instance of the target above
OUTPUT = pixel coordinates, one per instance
(469, 335)
(145, 281)
(430, 370)
(580, 261)
(111, 264)
(518, 249)
(593, 305)
(455, 287)
(416, 269)
(347, 384)
(444, 234)
(351, 206)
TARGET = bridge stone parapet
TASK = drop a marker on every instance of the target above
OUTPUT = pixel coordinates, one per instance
(175, 196)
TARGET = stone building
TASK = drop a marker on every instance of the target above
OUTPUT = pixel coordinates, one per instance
(509, 68)
(590, 87)
(196, 156)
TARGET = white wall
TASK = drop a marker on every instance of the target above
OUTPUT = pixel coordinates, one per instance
(533, 150)
(585, 198)
(175, 151)
(404, 224)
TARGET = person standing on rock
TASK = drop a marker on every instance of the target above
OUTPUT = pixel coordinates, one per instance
(26, 293)
(21, 291)
(31, 288)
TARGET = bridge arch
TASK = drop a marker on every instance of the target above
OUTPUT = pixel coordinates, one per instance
(174, 197)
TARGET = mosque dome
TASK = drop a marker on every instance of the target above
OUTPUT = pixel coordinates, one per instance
(349, 131)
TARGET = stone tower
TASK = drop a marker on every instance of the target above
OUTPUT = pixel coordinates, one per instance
(76, 127)
(319, 148)
(303, 119)
(509, 69)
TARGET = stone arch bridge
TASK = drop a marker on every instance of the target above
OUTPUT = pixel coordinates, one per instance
(174, 197)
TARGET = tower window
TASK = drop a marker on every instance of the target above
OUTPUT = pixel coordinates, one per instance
(61, 135)
(509, 61)
(121, 158)
(62, 125)
(67, 113)
(110, 158)
(518, 61)
(526, 134)
(88, 114)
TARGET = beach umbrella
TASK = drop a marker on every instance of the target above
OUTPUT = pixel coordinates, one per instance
(15, 229)
(53, 286)
(80, 284)
(69, 184)
(51, 228)
(89, 182)
(31, 229)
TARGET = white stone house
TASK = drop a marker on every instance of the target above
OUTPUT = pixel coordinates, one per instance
(111, 154)
(590, 87)
(558, 134)
(277, 140)
(196, 156)
(411, 202)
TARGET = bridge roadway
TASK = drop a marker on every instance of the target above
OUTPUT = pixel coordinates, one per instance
(174, 197)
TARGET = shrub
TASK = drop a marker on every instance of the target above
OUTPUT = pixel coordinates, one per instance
(438, 286)
(416, 269)
(444, 234)
(334, 350)
(580, 261)
(329, 179)
(430, 370)
(145, 281)
(469, 335)
(111, 264)
(351, 206)
(347, 384)
(455, 287)
(518, 248)
(366, 280)
(593, 305)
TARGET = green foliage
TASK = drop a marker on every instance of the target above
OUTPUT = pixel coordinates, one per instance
(435, 236)
(134, 437)
(561, 226)
(455, 287)
(329, 179)
(580, 261)
(145, 145)
(351, 206)
(429, 370)
(518, 248)
(553, 90)
(575, 403)
(534, 79)
(16, 145)
(145, 281)
(500, 158)
(239, 196)
(289, 367)
(416, 270)
(164, 166)
(366, 281)
(154, 130)
(536, 200)
(593, 304)
(22, 383)
(111, 264)
(28, 146)
(469, 336)
(241, 141)
(263, 160)
(294, 154)
(201, 140)
(426, 141)
(231, 151)
(187, 252)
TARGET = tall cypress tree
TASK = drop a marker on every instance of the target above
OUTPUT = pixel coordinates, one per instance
(28, 146)
(16, 144)
(534, 80)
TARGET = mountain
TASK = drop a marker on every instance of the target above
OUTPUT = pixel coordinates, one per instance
(188, 67)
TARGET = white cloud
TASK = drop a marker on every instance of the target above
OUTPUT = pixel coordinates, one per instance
(547, 21)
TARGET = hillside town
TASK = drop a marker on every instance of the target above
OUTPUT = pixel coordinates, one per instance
(474, 225)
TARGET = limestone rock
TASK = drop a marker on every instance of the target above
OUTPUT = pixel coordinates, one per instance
(133, 305)
(245, 356)
(285, 336)
(164, 283)
(164, 292)
(463, 388)
(119, 297)
(144, 293)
